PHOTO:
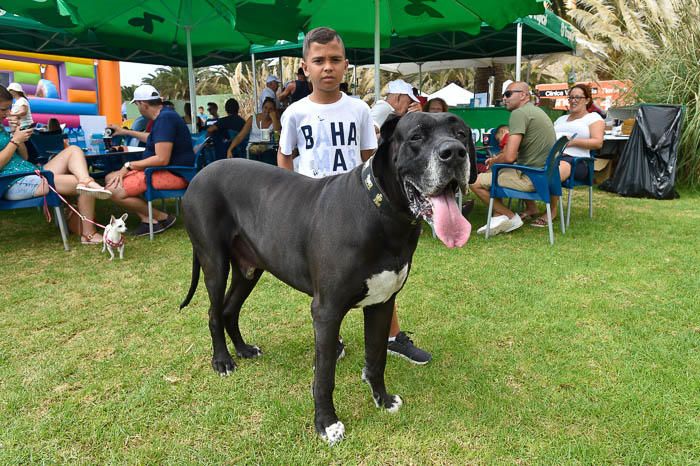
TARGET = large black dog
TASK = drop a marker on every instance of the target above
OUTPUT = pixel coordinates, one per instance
(346, 240)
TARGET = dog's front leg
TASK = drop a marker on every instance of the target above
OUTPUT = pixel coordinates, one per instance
(327, 321)
(111, 253)
(377, 323)
(121, 252)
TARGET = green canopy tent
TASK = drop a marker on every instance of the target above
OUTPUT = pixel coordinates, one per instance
(353, 19)
(144, 30)
(539, 34)
(26, 35)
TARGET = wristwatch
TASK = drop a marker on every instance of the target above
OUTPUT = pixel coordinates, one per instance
(127, 165)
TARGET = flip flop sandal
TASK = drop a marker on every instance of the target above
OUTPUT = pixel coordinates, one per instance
(99, 193)
(541, 222)
(90, 239)
(525, 216)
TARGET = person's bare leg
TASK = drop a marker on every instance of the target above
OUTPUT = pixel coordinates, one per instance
(485, 195)
(65, 185)
(394, 328)
(564, 173)
(71, 161)
(136, 205)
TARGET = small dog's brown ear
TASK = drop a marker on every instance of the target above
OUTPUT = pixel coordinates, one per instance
(124, 217)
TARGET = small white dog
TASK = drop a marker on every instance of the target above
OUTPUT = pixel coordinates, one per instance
(113, 237)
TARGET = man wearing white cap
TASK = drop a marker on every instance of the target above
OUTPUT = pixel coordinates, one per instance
(168, 143)
(272, 83)
(399, 101)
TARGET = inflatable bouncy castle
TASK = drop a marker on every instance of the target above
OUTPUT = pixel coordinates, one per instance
(63, 87)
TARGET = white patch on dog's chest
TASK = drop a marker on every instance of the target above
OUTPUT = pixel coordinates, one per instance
(382, 285)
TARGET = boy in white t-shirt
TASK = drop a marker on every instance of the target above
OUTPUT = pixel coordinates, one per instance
(333, 133)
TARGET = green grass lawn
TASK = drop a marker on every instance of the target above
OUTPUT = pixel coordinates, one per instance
(586, 352)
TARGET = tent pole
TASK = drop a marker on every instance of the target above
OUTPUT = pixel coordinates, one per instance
(420, 77)
(255, 84)
(377, 83)
(190, 78)
(354, 79)
(518, 50)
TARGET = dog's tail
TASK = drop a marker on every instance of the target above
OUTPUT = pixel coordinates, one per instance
(193, 282)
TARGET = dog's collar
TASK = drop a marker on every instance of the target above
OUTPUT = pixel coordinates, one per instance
(379, 197)
(112, 244)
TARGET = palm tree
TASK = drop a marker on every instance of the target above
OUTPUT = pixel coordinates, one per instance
(128, 92)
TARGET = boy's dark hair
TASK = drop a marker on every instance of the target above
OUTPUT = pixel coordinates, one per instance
(212, 105)
(231, 106)
(167, 103)
(269, 99)
(320, 35)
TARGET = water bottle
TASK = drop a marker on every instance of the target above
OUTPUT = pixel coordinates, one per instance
(72, 137)
(80, 135)
(97, 144)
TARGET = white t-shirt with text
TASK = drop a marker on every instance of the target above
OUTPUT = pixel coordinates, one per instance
(329, 137)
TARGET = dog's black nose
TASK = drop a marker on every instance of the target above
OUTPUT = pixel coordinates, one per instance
(452, 150)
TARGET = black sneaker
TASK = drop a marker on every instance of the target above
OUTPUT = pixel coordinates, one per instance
(142, 229)
(340, 350)
(404, 347)
(167, 223)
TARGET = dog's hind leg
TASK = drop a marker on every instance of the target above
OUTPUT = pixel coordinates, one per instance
(215, 269)
(237, 293)
(377, 323)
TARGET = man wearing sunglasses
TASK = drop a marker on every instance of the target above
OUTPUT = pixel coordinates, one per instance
(531, 136)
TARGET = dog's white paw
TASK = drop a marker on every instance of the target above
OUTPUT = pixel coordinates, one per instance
(334, 433)
(396, 405)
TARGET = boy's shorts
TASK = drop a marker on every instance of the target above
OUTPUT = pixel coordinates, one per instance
(507, 178)
(134, 182)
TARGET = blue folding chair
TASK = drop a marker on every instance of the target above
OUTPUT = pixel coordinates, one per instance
(546, 180)
(52, 200)
(186, 172)
(44, 146)
(570, 183)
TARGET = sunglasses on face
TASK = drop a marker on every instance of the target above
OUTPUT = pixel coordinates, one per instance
(507, 94)
(576, 97)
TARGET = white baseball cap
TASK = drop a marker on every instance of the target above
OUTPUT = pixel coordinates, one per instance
(272, 78)
(399, 86)
(17, 87)
(145, 92)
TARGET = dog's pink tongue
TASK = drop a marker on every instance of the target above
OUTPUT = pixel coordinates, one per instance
(450, 226)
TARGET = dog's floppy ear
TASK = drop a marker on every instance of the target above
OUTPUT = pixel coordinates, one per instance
(388, 128)
(386, 132)
(124, 217)
(472, 157)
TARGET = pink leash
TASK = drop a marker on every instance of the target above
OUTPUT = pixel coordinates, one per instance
(47, 212)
